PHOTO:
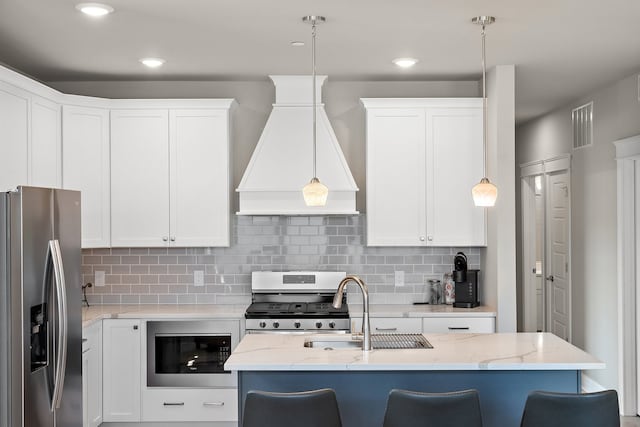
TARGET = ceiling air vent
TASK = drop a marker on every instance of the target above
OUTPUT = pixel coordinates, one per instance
(582, 123)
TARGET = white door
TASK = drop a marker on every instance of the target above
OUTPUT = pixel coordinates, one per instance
(199, 143)
(454, 147)
(558, 269)
(139, 178)
(85, 155)
(396, 178)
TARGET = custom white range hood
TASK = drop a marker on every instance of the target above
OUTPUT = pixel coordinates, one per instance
(282, 162)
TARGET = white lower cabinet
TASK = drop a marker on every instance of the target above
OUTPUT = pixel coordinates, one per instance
(92, 375)
(200, 404)
(478, 325)
(389, 325)
(121, 370)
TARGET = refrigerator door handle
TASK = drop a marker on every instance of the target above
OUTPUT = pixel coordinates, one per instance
(61, 302)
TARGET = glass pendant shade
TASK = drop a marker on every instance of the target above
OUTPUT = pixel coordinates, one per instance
(484, 193)
(315, 193)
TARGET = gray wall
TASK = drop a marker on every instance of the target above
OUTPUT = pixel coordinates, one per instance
(342, 103)
(593, 202)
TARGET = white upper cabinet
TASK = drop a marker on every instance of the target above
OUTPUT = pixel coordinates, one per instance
(14, 137)
(200, 178)
(46, 151)
(85, 157)
(396, 177)
(170, 176)
(139, 177)
(423, 158)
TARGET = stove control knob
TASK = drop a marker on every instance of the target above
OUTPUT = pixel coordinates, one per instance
(296, 325)
(276, 324)
(332, 325)
(263, 324)
(318, 325)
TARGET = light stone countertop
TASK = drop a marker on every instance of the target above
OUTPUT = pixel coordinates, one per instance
(451, 352)
(161, 311)
(421, 310)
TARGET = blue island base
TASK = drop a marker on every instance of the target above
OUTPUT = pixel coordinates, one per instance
(362, 395)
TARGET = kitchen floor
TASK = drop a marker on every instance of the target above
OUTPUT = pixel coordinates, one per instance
(629, 421)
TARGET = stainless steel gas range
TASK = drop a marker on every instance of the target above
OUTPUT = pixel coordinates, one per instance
(296, 302)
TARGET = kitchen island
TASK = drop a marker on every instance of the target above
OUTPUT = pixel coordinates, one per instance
(504, 368)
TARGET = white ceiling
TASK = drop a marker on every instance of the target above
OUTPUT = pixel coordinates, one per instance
(561, 48)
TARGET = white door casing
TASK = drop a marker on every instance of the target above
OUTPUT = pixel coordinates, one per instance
(557, 246)
(628, 197)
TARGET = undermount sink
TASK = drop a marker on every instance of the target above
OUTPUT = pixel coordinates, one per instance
(378, 341)
(333, 343)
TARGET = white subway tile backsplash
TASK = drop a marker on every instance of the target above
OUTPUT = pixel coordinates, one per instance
(263, 243)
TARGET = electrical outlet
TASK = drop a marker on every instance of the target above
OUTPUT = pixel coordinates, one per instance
(198, 278)
(99, 278)
(399, 278)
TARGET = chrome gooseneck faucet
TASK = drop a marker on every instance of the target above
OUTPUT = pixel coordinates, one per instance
(337, 303)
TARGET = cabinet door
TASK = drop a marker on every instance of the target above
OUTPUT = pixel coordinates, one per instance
(199, 143)
(139, 178)
(92, 375)
(459, 325)
(85, 157)
(121, 370)
(388, 325)
(46, 150)
(455, 159)
(396, 177)
(14, 137)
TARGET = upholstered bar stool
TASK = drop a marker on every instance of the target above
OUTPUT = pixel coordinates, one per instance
(316, 408)
(546, 409)
(415, 409)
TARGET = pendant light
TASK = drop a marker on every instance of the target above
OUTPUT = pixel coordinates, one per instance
(315, 193)
(484, 193)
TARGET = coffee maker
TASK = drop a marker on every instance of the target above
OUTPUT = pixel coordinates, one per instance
(466, 283)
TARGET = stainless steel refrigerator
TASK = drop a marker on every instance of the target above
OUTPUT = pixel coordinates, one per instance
(40, 308)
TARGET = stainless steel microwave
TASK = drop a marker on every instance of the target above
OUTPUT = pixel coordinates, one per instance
(190, 353)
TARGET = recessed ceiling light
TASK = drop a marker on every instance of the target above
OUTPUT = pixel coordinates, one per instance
(152, 62)
(297, 43)
(405, 62)
(94, 9)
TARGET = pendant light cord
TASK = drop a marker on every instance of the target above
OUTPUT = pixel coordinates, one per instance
(484, 102)
(313, 72)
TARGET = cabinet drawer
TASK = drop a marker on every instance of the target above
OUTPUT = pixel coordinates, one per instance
(389, 325)
(458, 325)
(201, 404)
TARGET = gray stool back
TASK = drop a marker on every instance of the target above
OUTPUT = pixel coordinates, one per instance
(413, 409)
(546, 409)
(317, 408)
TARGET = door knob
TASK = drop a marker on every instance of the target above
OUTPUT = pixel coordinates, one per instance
(550, 278)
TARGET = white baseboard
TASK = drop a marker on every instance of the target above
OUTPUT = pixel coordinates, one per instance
(589, 385)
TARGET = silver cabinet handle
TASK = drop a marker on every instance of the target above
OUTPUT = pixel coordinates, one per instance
(173, 238)
(422, 238)
(430, 238)
(165, 238)
(212, 403)
(458, 328)
(387, 329)
(173, 403)
(55, 255)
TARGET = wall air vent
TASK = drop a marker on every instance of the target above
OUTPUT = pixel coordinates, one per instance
(582, 123)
